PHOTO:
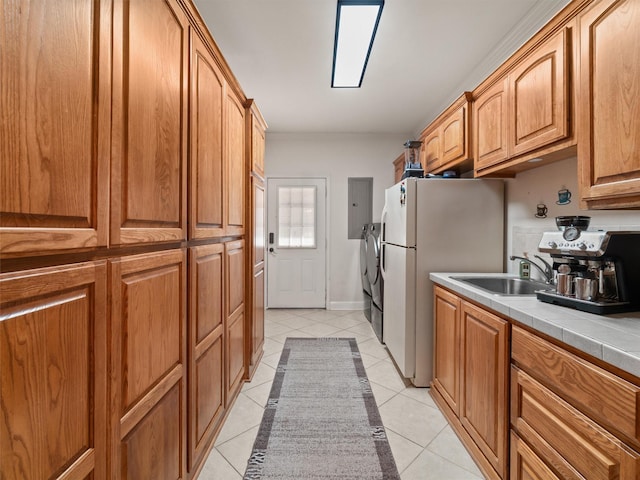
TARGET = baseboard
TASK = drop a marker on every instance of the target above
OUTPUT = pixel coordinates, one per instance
(345, 305)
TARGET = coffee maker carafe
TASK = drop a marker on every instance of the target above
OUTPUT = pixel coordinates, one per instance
(597, 271)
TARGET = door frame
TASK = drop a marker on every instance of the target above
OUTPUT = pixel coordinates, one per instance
(327, 232)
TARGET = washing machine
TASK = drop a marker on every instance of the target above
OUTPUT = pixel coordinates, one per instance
(366, 286)
(375, 278)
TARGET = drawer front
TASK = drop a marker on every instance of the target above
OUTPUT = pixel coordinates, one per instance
(573, 445)
(609, 400)
(525, 464)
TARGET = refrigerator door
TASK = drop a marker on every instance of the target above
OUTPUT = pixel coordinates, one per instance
(399, 306)
(398, 216)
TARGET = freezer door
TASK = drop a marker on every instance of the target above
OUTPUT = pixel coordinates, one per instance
(398, 216)
(399, 321)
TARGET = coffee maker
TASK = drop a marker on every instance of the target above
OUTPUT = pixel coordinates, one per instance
(595, 271)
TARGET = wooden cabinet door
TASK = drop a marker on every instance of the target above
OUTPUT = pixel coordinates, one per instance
(257, 329)
(609, 105)
(257, 147)
(398, 165)
(53, 373)
(234, 334)
(206, 347)
(55, 107)
(148, 369)
(454, 138)
(432, 151)
(148, 175)
(539, 97)
(255, 321)
(491, 125)
(206, 101)
(446, 369)
(484, 395)
(234, 164)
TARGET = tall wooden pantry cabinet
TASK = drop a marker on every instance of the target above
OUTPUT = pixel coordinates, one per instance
(127, 305)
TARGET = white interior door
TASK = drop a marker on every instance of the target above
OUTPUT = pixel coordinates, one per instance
(296, 243)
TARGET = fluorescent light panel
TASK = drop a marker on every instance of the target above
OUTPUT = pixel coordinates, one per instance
(356, 25)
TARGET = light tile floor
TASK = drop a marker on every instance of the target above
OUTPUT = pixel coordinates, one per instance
(423, 444)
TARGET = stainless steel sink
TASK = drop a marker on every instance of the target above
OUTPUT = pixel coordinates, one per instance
(505, 285)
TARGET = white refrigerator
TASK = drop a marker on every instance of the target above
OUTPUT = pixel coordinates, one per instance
(433, 225)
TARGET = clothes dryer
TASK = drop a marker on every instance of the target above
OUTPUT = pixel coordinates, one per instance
(375, 278)
(366, 286)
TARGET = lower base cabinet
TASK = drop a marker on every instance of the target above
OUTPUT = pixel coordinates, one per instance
(479, 358)
(206, 348)
(551, 413)
(569, 418)
(235, 318)
(148, 365)
(53, 375)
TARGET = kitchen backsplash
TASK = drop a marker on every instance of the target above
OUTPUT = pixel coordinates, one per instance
(542, 186)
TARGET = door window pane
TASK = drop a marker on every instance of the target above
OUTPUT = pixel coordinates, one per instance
(297, 217)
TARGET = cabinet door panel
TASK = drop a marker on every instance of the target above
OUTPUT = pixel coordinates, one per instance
(209, 389)
(235, 327)
(152, 304)
(235, 276)
(259, 232)
(539, 97)
(148, 354)
(149, 115)
(453, 136)
(483, 400)
(447, 347)
(55, 129)
(257, 148)
(609, 105)
(235, 165)
(53, 381)
(206, 155)
(153, 448)
(206, 347)
(258, 316)
(491, 115)
(432, 153)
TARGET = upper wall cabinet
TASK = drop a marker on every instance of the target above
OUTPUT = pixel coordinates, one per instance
(398, 167)
(255, 127)
(609, 105)
(527, 112)
(207, 86)
(148, 175)
(539, 97)
(445, 143)
(55, 127)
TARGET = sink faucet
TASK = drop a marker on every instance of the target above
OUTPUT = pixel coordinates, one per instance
(547, 271)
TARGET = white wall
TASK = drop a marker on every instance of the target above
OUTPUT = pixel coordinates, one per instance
(541, 185)
(337, 157)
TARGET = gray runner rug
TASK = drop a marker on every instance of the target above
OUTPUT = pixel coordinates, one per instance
(321, 420)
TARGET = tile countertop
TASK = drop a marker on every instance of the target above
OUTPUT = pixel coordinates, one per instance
(612, 338)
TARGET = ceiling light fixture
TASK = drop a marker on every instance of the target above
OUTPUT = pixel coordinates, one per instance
(356, 26)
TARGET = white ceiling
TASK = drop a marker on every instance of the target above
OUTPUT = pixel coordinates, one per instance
(426, 53)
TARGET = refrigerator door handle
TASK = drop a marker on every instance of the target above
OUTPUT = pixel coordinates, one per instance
(383, 224)
(382, 262)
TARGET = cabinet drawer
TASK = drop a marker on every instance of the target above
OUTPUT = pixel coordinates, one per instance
(573, 445)
(525, 464)
(609, 400)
